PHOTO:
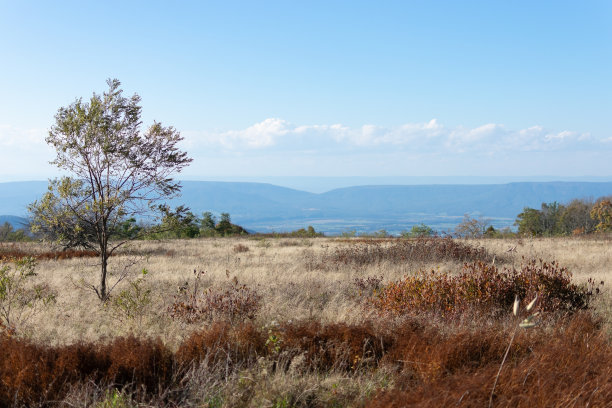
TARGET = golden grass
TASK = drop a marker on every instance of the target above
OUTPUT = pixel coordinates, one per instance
(278, 269)
(292, 290)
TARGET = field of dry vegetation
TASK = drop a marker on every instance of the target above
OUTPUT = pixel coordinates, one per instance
(321, 322)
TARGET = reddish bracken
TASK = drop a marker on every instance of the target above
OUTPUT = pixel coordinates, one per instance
(335, 346)
(222, 342)
(11, 252)
(569, 364)
(32, 374)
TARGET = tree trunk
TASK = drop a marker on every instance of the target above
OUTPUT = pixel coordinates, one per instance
(103, 239)
(104, 262)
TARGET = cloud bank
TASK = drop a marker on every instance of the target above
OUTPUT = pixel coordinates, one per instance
(277, 147)
(277, 134)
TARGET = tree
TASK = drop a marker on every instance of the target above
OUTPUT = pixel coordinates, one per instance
(181, 223)
(576, 218)
(309, 232)
(128, 229)
(8, 233)
(491, 232)
(602, 212)
(418, 230)
(118, 172)
(551, 218)
(224, 227)
(471, 227)
(529, 222)
(207, 224)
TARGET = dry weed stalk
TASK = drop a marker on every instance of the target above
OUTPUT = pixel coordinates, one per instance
(526, 324)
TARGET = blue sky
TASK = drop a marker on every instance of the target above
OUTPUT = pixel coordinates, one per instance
(330, 88)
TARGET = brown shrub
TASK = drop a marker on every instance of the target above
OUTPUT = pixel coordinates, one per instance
(481, 288)
(234, 303)
(566, 365)
(24, 374)
(422, 355)
(368, 285)
(240, 248)
(148, 364)
(32, 374)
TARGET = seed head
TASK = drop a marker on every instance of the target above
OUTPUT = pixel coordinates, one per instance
(532, 303)
(515, 308)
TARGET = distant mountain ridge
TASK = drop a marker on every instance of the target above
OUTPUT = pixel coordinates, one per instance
(16, 222)
(266, 207)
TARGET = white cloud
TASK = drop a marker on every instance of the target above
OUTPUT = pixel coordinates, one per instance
(279, 135)
(259, 135)
(24, 154)
(277, 146)
(11, 136)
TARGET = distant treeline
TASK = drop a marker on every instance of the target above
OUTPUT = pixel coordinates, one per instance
(182, 223)
(580, 216)
(10, 234)
(179, 223)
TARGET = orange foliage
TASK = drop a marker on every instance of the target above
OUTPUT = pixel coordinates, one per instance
(482, 288)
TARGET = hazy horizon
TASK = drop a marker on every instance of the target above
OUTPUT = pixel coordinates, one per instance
(324, 184)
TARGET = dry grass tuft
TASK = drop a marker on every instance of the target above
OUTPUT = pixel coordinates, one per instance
(240, 248)
(362, 252)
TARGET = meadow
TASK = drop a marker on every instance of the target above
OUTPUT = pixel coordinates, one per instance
(314, 322)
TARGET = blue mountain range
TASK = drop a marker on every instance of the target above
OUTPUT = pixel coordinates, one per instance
(266, 207)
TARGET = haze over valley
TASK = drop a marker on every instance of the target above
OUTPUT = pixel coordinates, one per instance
(262, 207)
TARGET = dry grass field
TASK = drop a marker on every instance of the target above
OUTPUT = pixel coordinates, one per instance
(282, 322)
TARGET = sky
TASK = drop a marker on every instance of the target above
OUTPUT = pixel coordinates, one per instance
(386, 89)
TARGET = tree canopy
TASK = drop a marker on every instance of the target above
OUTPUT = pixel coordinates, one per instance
(602, 212)
(117, 171)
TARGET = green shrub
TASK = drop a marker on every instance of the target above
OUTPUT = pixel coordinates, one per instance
(131, 303)
(116, 399)
(19, 300)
